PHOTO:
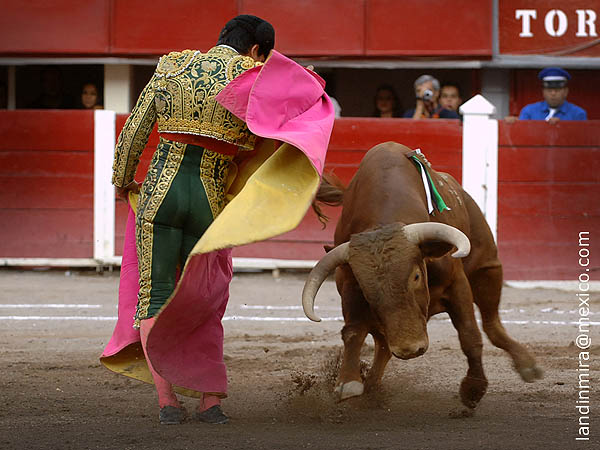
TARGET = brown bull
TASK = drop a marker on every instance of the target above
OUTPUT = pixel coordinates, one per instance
(394, 271)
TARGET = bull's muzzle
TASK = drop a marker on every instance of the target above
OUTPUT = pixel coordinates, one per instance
(410, 351)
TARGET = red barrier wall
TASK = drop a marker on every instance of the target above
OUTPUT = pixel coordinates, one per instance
(440, 140)
(549, 181)
(46, 184)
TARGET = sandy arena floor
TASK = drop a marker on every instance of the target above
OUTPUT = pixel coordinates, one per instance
(56, 395)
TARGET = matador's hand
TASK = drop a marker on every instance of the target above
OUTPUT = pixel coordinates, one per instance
(123, 192)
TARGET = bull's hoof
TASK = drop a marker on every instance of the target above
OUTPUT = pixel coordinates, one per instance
(350, 389)
(530, 374)
(472, 390)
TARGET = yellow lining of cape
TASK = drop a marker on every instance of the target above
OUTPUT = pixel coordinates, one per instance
(273, 200)
(131, 362)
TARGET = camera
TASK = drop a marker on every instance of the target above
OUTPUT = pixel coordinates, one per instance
(427, 95)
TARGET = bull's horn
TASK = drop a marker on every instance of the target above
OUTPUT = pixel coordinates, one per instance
(420, 232)
(332, 259)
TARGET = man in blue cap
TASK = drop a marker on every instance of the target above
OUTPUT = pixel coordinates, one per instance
(555, 106)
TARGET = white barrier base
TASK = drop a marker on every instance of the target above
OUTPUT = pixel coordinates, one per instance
(238, 263)
(250, 264)
(561, 285)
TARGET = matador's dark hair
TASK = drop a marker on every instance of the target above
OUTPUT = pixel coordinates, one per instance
(242, 32)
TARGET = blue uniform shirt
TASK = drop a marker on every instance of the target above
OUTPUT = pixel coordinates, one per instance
(540, 110)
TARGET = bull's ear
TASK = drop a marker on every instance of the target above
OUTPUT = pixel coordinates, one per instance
(435, 249)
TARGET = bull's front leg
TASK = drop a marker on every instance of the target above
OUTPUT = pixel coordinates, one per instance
(380, 360)
(349, 381)
(461, 311)
(354, 333)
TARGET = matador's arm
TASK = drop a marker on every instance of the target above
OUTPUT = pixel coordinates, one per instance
(133, 138)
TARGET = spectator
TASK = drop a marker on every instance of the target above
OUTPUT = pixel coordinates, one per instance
(387, 103)
(52, 91)
(427, 91)
(555, 106)
(89, 98)
(450, 97)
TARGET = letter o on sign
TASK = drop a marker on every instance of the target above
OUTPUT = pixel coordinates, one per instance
(562, 22)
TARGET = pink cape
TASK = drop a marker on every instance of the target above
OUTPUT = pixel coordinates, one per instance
(284, 101)
(204, 351)
(124, 334)
(280, 100)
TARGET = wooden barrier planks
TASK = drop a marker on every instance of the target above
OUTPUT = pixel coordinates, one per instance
(549, 181)
(46, 183)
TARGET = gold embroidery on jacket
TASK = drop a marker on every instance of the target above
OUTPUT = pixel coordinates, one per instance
(208, 129)
(213, 174)
(186, 84)
(133, 138)
(181, 98)
(154, 190)
(175, 63)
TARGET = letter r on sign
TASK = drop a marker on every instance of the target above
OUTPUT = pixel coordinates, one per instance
(582, 21)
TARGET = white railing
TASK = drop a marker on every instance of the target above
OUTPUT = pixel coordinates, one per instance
(480, 157)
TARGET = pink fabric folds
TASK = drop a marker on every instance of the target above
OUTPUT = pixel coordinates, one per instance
(282, 100)
(185, 345)
(188, 353)
(124, 333)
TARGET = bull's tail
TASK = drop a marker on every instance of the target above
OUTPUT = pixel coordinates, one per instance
(331, 192)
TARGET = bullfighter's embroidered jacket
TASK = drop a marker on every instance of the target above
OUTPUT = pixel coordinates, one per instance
(181, 98)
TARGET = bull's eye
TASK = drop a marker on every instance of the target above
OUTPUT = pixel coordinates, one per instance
(417, 276)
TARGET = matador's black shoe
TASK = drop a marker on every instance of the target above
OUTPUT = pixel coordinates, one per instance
(214, 415)
(171, 415)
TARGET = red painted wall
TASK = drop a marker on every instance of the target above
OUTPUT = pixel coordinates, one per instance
(307, 27)
(549, 181)
(46, 184)
(313, 27)
(150, 27)
(435, 27)
(57, 26)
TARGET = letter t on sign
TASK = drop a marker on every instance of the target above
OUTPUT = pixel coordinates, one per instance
(526, 15)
